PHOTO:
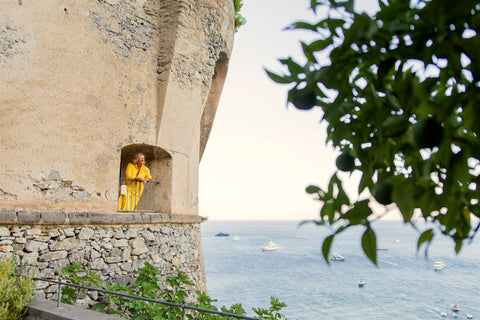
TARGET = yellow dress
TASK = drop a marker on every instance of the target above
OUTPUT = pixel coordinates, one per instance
(129, 200)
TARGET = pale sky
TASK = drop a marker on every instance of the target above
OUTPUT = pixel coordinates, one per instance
(261, 154)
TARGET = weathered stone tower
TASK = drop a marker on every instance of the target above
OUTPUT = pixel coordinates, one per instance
(84, 85)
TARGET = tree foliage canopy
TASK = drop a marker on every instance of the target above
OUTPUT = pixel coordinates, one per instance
(400, 94)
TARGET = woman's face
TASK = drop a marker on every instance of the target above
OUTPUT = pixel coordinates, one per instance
(141, 161)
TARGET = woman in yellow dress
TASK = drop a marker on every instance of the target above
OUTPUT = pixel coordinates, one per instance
(136, 174)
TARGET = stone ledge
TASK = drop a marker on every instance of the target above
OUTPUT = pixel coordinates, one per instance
(13, 217)
(47, 310)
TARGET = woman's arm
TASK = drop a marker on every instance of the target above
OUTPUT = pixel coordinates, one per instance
(144, 175)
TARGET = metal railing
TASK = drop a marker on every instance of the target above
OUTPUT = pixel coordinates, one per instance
(182, 306)
(136, 196)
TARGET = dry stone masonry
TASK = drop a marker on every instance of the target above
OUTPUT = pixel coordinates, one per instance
(113, 249)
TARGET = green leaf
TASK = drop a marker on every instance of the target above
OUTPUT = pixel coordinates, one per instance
(278, 78)
(359, 213)
(327, 244)
(369, 245)
(302, 25)
(319, 45)
(308, 52)
(458, 245)
(342, 198)
(332, 183)
(333, 24)
(312, 189)
(425, 238)
(294, 68)
(404, 196)
(365, 182)
(395, 125)
(315, 222)
(349, 5)
(459, 167)
(328, 211)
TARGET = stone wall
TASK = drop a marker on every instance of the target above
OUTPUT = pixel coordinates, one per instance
(112, 245)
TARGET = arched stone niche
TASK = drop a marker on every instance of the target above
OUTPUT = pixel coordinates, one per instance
(159, 161)
(208, 115)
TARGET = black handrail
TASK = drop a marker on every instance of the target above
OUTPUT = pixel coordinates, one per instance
(183, 306)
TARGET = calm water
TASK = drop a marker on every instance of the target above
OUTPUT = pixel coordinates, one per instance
(404, 286)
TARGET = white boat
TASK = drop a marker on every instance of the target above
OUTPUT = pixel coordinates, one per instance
(269, 246)
(469, 316)
(455, 307)
(236, 238)
(362, 283)
(438, 265)
(454, 314)
(443, 314)
(337, 257)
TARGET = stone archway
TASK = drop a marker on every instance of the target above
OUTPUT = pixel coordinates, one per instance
(158, 196)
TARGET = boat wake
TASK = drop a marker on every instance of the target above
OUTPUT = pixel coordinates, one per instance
(390, 263)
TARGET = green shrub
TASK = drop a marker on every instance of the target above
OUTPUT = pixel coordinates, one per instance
(78, 275)
(147, 285)
(16, 287)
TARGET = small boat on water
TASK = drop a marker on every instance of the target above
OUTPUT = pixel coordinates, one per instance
(455, 307)
(337, 257)
(362, 283)
(269, 246)
(469, 316)
(443, 314)
(236, 238)
(222, 234)
(438, 265)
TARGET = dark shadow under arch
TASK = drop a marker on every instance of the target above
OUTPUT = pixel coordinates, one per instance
(216, 87)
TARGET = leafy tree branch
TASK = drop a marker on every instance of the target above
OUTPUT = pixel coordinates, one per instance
(399, 93)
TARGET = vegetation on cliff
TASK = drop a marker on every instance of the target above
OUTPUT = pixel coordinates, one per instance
(239, 19)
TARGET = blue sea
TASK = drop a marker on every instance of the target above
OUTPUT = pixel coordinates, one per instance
(403, 286)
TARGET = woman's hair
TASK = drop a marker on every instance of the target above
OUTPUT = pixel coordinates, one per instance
(137, 157)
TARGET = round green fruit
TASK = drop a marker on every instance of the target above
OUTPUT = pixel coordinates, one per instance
(383, 193)
(304, 99)
(345, 162)
(427, 133)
